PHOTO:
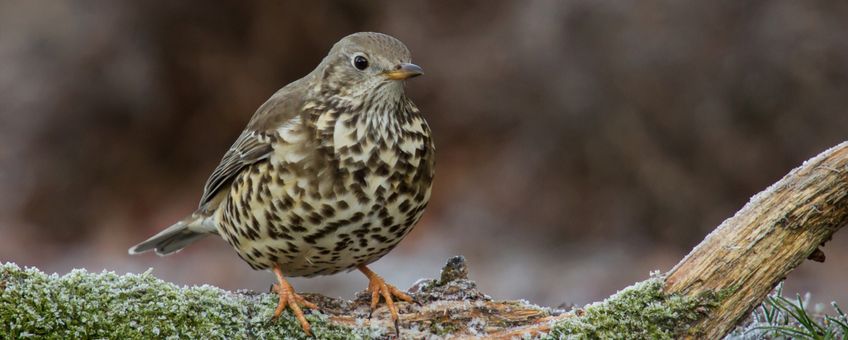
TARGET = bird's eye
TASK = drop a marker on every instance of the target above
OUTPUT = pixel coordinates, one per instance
(360, 62)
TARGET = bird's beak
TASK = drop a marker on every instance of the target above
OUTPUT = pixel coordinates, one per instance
(404, 71)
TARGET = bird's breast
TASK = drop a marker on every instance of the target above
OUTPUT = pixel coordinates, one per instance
(341, 194)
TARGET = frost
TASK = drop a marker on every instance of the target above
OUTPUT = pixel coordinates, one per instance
(476, 325)
(641, 311)
(106, 305)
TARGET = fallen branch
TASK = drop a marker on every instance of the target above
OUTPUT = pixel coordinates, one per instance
(140, 306)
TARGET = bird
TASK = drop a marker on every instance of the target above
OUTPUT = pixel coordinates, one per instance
(329, 175)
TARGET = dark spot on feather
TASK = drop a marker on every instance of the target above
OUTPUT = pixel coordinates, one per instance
(382, 170)
(327, 211)
(404, 206)
(314, 218)
(295, 219)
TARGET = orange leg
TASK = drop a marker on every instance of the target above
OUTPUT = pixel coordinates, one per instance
(378, 287)
(291, 299)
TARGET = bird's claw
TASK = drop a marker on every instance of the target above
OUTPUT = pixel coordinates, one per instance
(289, 298)
(379, 288)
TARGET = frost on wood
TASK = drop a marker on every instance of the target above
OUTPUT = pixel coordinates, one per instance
(106, 305)
(779, 228)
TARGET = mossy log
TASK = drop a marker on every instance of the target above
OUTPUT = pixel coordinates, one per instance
(704, 296)
(82, 305)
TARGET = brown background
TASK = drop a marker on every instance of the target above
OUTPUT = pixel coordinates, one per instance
(581, 144)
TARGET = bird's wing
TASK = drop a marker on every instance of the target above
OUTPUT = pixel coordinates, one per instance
(251, 147)
(247, 149)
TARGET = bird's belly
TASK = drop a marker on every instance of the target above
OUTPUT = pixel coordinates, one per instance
(289, 220)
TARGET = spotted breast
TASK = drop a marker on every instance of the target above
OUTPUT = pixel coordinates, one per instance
(346, 181)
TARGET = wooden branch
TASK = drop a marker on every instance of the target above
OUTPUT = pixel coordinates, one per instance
(750, 253)
(451, 306)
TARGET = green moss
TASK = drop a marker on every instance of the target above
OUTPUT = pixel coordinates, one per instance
(443, 328)
(140, 306)
(641, 311)
(82, 305)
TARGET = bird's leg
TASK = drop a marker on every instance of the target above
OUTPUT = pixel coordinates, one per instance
(378, 287)
(291, 299)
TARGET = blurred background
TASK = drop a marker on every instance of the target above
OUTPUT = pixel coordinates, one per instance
(580, 144)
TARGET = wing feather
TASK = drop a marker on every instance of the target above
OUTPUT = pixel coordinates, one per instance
(248, 149)
(253, 145)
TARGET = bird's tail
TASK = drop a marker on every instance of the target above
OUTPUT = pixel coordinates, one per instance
(176, 237)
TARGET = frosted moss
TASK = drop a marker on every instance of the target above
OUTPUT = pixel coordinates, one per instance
(641, 311)
(82, 305)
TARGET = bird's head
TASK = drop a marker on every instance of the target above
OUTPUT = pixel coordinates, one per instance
(368, 64)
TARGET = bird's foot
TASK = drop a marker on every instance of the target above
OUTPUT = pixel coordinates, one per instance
(378, 287)
(294, 301)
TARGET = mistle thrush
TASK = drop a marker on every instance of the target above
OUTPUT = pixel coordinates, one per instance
(329, 174)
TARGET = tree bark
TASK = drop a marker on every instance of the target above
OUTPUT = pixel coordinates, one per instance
(750, 253)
